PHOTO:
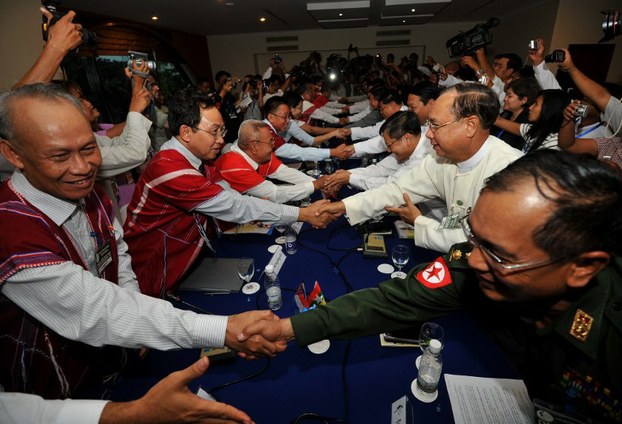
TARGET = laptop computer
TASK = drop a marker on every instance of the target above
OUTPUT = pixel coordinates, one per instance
(215, 275)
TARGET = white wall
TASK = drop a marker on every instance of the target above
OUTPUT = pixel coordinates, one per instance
(235, 53)
(514, 32)
(558, 22)
(20, 32)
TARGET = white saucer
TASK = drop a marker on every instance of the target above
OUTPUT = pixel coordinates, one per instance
(250, 288)
(421, 395)
(385, 268)
(398, 274)
(319, 347)
(274, 248)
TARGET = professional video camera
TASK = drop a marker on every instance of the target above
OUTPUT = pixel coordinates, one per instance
(611, 24)
(467, 42)
(88, 37)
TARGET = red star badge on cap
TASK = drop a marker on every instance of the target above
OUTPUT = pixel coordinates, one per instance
(436, 275)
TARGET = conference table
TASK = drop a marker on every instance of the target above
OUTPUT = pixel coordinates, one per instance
(354, 381)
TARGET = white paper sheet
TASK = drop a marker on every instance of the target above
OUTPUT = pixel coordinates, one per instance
(477, 400)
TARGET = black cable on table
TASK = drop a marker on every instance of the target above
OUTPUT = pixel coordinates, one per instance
(248, 377)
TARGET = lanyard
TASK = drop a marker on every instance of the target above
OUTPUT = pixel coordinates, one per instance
(589, 130)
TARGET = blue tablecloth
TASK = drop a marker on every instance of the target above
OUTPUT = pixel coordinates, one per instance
(355, 380)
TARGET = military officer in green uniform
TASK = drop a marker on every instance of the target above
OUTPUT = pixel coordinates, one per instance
(541, 273)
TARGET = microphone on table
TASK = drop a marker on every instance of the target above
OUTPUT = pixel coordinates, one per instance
(170, 296)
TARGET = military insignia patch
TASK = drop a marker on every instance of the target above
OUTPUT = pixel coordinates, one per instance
(581, 325)
(436, 275)
(455, 255)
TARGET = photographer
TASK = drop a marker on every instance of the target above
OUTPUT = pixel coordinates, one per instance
(225, 84)
(275, 67)
(276, 86)
(604, 101)
(63, 37)
(542, 73)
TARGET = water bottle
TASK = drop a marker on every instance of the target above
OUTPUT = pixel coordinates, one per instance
(273, 288)
(290, 241)
(429, 372)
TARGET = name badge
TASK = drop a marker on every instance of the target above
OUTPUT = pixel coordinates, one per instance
(103, 258)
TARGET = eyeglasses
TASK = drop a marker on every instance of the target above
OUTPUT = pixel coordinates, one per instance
(216, 132)
(391, 143)
(435, 127)
(499, 264)
(286, 118)
(271, 142)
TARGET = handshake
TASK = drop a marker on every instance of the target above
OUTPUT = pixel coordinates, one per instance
(319, 214)
(258, 333)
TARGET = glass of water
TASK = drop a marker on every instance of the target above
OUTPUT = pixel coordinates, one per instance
(400, 255)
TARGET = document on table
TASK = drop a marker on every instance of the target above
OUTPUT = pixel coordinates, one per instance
(477, 400)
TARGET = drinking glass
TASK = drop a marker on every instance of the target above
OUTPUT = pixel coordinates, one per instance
(246, 270)
(315, 171)
(280, 228)
(429, 331)
(400, 255)
(329, 166)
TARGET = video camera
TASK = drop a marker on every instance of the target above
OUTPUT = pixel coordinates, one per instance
(88, 37)
(467, 42)
(611, 24)
(140, 58)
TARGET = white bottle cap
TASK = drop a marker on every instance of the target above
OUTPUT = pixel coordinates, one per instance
(269, 268)
(435, 346)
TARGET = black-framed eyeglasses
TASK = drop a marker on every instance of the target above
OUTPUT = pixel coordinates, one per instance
(216, 132)
(286, 117)
(435, 127)
(495, 261)
(391, 143)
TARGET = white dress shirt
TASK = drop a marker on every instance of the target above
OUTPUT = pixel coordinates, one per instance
(78, 305)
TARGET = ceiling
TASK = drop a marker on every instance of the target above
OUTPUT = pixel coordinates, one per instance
(215, 17)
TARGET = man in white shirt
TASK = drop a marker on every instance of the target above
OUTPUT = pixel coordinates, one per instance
(459, 130)
(251, 161)
(403, 139)
(66, 280)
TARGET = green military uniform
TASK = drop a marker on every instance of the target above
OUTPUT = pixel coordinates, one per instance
(575, 362)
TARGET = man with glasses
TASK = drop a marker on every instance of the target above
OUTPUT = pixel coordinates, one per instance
(466, 154)
(541, 274)
(403, 139)
(372, 142)
(251, 161)
(276, 111)
(167, 223)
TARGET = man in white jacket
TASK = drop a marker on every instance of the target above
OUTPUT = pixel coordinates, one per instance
(459, 131)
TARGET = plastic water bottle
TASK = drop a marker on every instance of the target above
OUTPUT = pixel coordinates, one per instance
(430, 368)
(290, 241)
(273, 289)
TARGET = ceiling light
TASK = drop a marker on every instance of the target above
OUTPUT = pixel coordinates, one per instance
(339, 5)
(412, 10)
(423, 15)
(262, 19)
(404, 21)
(154, 18)
(341, 14)
(411, 2)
